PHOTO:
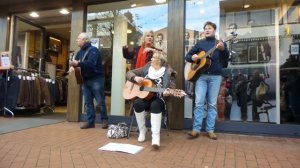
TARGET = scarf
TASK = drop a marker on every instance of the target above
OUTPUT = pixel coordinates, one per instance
(155, 74)
(141, 57)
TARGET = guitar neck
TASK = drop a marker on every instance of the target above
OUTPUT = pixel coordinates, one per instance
(208, 53)
(153, 89)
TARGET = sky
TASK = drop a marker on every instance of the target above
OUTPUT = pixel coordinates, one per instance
(156, 17)
(150, 17)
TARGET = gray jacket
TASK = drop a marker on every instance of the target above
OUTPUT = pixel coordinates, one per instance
(168, 78)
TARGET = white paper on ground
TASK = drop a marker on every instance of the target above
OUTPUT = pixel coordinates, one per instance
(118, 147)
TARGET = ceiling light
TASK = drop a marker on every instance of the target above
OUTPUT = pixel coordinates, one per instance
(133, 5)
(131, 42)
(160, 1)
(34, 14)
(54, 38)
(129, 31)
(246, 6)
(64, 11)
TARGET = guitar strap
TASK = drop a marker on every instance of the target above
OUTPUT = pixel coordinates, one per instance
(85, 54)
(216, 42)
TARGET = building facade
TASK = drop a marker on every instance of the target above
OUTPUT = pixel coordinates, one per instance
(262, 78)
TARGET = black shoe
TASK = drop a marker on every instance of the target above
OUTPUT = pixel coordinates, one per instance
(104, 124)
(87, 126)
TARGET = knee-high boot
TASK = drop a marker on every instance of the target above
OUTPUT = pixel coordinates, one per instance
(155, 128)
(140, 119)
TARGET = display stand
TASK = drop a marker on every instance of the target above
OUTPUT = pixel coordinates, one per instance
(5, 109)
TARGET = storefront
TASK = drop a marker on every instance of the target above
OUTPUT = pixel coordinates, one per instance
(262, 78)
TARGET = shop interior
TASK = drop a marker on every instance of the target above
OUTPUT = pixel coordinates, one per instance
(41, 46)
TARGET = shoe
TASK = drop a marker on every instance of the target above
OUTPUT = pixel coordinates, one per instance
(193, 134)
(87, 126)
(212, 135)
(104, 124)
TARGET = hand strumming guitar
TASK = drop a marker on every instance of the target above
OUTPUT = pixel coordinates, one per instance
(195, 57)
(74, 63)
(138, 79)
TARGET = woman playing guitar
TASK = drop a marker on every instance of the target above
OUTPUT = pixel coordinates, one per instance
(161, 75)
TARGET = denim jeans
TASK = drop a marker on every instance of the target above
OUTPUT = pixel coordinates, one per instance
(206, 88)
(94, 88)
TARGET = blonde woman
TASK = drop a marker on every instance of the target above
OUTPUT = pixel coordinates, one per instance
(143, 53)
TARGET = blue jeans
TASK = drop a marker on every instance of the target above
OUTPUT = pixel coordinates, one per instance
(94, 88)
(206, 88)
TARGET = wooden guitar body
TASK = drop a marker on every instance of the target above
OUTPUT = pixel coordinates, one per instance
(78, 75)
(193, 70)
(146, 90)
(133, 90)
(197, 68)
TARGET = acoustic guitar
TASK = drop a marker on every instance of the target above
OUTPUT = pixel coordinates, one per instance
(146, 90)
(193, 70)
(77, 70)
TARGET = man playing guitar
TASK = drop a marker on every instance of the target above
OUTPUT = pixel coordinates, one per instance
(207, 84)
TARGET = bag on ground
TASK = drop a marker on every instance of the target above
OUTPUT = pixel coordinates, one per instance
(117, 131)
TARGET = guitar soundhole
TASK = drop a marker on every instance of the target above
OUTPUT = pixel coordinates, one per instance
(141, 88)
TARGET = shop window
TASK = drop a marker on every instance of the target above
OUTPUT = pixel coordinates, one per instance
(293, 14)
(252, 56)
(132, 20)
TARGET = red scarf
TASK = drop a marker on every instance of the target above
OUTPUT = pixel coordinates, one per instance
(141, 57)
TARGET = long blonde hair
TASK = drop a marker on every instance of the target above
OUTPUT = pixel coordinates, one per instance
(142, 40)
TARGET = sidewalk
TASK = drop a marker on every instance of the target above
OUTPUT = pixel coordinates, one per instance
(65, 145)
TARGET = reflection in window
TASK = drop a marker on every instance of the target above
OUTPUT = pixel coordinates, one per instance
(261, 17)
(293, 14)
(145, 17)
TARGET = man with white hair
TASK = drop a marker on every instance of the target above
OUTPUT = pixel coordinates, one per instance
(89, 60)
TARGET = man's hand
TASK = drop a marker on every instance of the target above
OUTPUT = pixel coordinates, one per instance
(74, 63)
(195, 57)
(220, 46)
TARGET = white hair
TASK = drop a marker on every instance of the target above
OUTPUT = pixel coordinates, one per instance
(85, 36)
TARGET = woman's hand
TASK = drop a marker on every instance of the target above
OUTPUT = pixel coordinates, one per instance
(147, 49)
(138, 79)
(166, 92)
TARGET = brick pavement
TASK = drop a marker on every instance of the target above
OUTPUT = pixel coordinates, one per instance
(65, 145)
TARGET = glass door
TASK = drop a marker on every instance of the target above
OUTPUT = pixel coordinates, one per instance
(28, 44)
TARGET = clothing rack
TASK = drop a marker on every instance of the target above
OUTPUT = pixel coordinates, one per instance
(51, 108)
(32, 70)
(5, 109)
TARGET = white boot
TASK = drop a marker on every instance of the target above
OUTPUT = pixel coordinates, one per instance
(140, 119)
(155, 128)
